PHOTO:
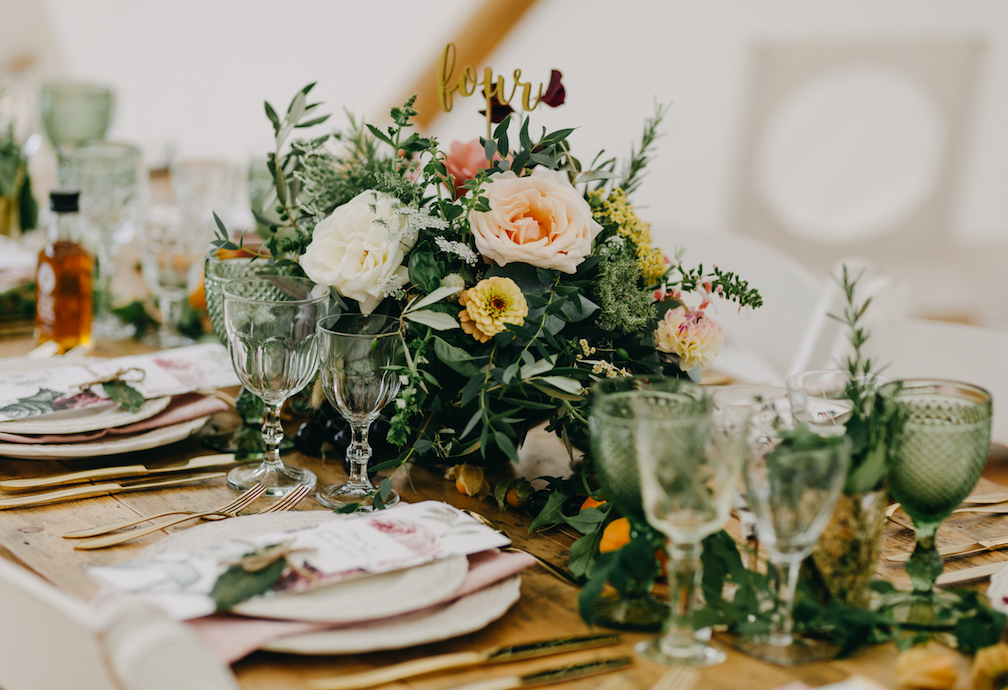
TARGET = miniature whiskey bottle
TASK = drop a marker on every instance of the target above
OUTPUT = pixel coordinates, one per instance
(64, 278)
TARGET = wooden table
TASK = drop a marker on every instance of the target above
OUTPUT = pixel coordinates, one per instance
(548, 607)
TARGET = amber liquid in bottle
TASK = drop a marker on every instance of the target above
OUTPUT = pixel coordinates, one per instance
(63, 292)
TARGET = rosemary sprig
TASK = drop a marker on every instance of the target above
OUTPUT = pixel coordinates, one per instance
(633, 171)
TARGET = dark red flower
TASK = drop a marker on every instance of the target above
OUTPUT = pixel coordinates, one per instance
(555, 94)
(498, 110)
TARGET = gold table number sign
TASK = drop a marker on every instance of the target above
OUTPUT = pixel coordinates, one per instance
(467, 82)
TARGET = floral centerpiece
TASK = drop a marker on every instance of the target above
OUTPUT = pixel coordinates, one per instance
(518, 276)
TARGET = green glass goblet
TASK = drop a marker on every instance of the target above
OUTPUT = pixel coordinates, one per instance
(935, 463)
(613, 428)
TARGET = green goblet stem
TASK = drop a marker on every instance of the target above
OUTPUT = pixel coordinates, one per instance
(925, 565)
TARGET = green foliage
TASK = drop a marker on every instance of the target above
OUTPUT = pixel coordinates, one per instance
(625, 307)
(237, 584)
(124, 395)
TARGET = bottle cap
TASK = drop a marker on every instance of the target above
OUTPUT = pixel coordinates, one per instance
(64, 200)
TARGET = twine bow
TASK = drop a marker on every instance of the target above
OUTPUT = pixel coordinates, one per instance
(119, 376)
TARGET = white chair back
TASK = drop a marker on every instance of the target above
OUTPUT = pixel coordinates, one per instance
(51, 640)
(933, 349)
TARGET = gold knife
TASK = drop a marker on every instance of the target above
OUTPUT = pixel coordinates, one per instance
(553, 675)
(97, 490)
(978, 546)
(116, 472)
(967, 574)
(441, 662)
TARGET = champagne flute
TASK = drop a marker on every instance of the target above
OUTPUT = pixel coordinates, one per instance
(357, 352)
(689, 457)
(935, 463)
(792, 488)
(274, 350)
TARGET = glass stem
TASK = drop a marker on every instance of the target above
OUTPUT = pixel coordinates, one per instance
(924, 565)
(106, 269)
(273, 433)
(781, 622)
(358, 454)
(171, 313)
(684, 577)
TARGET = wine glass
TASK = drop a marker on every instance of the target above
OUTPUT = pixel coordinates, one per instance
(110, 181)
(819, 398)
(612, 424)
(689, 456)
(934, 464)
(171, 254)
(357, 352)
(768, 403)
(792, 489)
(270, 323)
(202, 187)
(74, 112)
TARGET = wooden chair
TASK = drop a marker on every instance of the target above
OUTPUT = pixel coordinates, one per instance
(51, 640)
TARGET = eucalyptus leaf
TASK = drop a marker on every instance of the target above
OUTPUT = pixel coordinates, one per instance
(456, 358)
(124, 395)
(433, 297)
(236, 584)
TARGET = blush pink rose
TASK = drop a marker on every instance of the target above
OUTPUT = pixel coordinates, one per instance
(540, 220)
(464, 161)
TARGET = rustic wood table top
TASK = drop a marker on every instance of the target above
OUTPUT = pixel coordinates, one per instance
(547, 608)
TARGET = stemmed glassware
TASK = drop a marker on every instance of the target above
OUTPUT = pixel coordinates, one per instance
(171, 253)
(74, 112)
(270, 323)
(356, 354)
(109, 178)
(935, 464)
(819, 399)
(689, 457)
(792, 488)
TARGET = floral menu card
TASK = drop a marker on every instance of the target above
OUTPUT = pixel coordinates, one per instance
(57, 390)
(335, 550)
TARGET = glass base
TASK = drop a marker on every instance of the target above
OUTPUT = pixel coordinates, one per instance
(698, 654)
(167, 341)
(109, 327)
(278, 481)
(340, 495)
(933, 610)
(642, 613)
(802, 650)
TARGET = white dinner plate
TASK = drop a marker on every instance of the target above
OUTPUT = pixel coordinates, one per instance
(126, 444)
(103, 417)
(459, 617)
(362, 599)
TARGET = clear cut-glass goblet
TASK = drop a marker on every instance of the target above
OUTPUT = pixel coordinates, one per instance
(274, 350)
(689, 456)
(357, 353)
(792, 488)
(935, 463)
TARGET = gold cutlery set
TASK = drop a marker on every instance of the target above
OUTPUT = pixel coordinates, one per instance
(990, 504)
(139, 478)
(494, 655)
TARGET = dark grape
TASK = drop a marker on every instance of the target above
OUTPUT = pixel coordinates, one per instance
(338, 433)
(378, 438)
(537, 501)
(309, 438)
(572, 506)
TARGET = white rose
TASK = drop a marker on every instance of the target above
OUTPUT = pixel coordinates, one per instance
(360, 248)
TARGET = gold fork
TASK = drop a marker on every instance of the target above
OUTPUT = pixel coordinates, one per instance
(288, 501)
(554, 570)
(242, 501)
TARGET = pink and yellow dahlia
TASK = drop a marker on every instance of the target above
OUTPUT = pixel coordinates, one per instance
(694, 336)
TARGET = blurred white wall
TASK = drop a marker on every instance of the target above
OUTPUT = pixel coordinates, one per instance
(196, 72)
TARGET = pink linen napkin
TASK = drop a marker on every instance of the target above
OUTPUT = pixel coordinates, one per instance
(181, 409)
(232, 637)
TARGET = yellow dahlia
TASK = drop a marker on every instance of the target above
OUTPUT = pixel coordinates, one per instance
(990, 667)
(490, 305)
(926, 668)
